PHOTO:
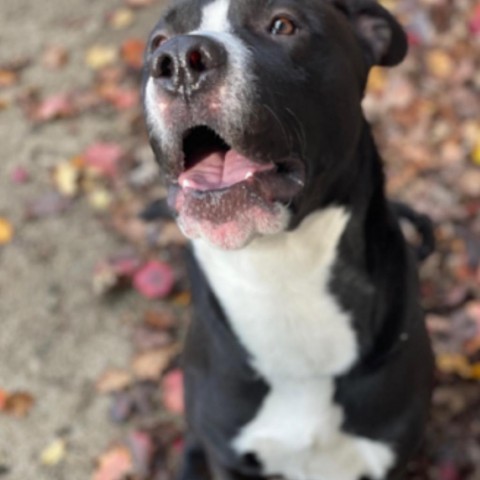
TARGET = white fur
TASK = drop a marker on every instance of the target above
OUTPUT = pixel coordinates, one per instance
(154, 111)
(276, 295)
(236, 95)
(215, 16)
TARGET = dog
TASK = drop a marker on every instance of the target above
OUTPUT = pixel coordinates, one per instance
(307, 357)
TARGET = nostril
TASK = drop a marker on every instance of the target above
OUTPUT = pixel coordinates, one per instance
(163, 67)
(196, 61)
(166, 67)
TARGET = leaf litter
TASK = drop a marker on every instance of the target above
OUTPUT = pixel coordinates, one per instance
(426, 117)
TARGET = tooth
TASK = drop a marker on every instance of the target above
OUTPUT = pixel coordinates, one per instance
(186, 183)
(249, 175)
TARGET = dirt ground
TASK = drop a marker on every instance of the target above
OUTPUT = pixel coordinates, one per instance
(58, 336)
(55, 336)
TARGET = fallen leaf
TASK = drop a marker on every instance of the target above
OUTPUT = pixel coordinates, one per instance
(116, 271)
(132, 52)
(100, 56)
(154, 280)
(142, 449)
(476, 154)
(49, 204)
(3, 399)
(183, 299)
(8, 78)
(55, 57)
(121, 18)
(100, 199)
(474, 22)
(54, 453)
(172, 392)
(146, 338)
(19, 404)
(54, 107)
(120, 97)
(113, 380)
(377, 80)
(439, 63)
(150, 365)
(122, 407)
(115, 464)
(6, 231)
(20, 175)
(161, 319)
(104, 158)
(66, 177)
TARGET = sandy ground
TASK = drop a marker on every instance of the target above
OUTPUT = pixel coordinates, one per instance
(56, 337)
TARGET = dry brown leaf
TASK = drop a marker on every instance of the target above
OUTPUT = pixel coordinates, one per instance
(19, 404)
(151, 365)
(8, 78)
(114, 380)
(160, 319)
(55, 57)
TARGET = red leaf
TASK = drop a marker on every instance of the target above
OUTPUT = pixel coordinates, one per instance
(56, 106)
(104, 158)
(115, 464)
(20, 175)
(474, 23)
(172, 391)
(132, 52)
(154, 280)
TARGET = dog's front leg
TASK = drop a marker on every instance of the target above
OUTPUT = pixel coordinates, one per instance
(195, 464)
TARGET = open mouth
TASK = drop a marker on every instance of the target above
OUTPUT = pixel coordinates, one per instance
(228, 198)
(211, 164)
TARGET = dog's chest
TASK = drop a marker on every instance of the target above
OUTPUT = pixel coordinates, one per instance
(276, 296)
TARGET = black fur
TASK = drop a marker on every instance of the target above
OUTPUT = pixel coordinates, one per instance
(313, 84)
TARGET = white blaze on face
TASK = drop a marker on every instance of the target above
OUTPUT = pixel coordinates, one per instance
(215, 16)
(228, 102)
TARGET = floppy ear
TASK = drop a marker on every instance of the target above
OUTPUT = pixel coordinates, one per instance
(384, 40)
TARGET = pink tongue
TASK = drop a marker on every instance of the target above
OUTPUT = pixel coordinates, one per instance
(218, 169)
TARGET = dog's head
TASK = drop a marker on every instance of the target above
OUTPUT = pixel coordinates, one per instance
(252, 104)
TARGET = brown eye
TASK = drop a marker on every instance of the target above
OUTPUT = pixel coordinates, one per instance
(282, 25)
(157, 41)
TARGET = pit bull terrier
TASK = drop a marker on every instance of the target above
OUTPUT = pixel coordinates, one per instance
(308, 357)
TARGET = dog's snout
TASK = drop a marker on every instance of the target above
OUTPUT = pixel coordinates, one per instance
(188, 63)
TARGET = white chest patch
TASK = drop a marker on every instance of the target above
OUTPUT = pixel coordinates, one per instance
(275, 293)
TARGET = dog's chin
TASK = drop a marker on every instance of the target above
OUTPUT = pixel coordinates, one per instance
(228, 219)
(227, 197)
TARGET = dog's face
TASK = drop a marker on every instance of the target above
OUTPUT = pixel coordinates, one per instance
(252, 105)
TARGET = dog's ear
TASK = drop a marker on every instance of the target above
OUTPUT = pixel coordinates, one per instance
(383, 38)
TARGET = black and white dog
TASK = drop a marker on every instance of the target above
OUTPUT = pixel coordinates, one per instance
(308, 358)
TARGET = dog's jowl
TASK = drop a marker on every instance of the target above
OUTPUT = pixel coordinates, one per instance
(307, 357)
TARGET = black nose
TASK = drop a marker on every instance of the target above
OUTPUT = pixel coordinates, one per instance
(188, 63)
